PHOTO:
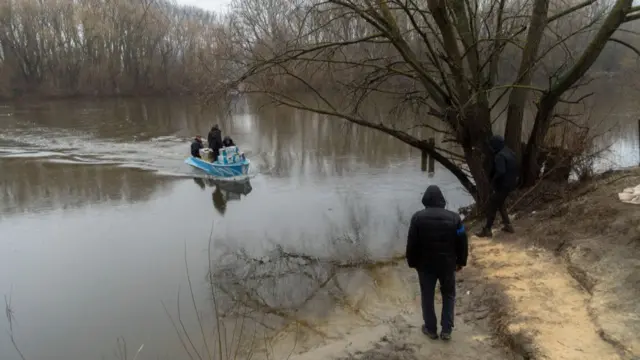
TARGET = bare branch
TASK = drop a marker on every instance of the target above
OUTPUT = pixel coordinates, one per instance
(626, 44)
(570, 10)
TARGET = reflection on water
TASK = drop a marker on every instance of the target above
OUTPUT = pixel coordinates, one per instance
(295, 277)
(294, 289)
(224, 191)
(295, 144)
(283, 292)
(200, 182)
(36, 186)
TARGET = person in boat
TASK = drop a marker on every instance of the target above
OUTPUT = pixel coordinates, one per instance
(437, 248)
(214, 140)
(196, 145)
(227, 141)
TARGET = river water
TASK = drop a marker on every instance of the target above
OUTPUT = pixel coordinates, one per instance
(99, 214)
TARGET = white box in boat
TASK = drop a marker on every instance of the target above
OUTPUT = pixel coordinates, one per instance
(230, 150)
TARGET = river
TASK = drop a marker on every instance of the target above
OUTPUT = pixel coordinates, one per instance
(99, 214)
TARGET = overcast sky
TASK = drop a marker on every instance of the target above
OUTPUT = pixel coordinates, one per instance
(215, 5)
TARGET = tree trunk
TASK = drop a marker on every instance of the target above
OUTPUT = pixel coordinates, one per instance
(531, 167)
(518, 96)
(478, 160)
(474, 136)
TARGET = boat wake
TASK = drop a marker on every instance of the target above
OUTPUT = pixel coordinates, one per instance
(195, 173)
(164, 155)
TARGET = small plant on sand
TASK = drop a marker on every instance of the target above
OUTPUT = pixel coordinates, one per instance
(122, 351)
(8, 311)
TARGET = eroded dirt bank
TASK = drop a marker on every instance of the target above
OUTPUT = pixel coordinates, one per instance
(564, 287)
(595, 239)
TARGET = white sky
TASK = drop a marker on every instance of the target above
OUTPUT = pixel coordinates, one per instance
(215, 5)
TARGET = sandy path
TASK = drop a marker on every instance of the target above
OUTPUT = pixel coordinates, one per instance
(547, 310)
(388, 327)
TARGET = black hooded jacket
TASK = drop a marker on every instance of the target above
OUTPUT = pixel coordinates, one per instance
(227, 141)
(196, 145)
(214, 139)
(504, 172)
(437, 239)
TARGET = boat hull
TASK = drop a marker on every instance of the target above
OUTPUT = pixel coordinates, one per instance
(220, 170)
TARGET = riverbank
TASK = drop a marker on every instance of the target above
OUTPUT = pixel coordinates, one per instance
(565, 286)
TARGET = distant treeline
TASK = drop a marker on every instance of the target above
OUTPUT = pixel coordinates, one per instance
(103, 47)
(152, 47)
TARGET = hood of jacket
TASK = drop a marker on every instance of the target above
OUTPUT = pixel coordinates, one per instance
(497, 143)
(433, 197)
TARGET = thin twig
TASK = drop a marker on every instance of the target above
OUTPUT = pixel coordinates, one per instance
(10, 319)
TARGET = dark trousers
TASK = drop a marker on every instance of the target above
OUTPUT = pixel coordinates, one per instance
(496, 204)
(447, 279)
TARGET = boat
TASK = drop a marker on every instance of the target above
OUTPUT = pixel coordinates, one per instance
(220, 170)
(232, 166)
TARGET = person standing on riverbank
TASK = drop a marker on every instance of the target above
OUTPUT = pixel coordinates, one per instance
(437, 247)
(504, 179)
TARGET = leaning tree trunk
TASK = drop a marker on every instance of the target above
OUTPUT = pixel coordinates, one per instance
(474, 135)
(530, 170)
(478, 160)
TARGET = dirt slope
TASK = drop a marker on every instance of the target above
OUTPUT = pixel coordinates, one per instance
(598, 239)
(545, 310)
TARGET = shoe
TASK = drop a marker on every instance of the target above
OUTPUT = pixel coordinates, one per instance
(445, 336)
(508, 228)
(485, 233)
(431, 335)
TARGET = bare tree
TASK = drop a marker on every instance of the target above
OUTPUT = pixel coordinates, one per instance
(104, 47)
(448, 62)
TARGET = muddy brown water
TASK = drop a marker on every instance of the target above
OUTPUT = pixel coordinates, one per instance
(98, 212)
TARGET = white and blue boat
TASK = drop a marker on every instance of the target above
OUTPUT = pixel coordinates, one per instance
(228, 165)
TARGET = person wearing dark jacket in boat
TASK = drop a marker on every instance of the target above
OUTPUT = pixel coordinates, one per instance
(437, 247)
(196, 145)
(227, 141)
(214, 140)
(504, 179)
